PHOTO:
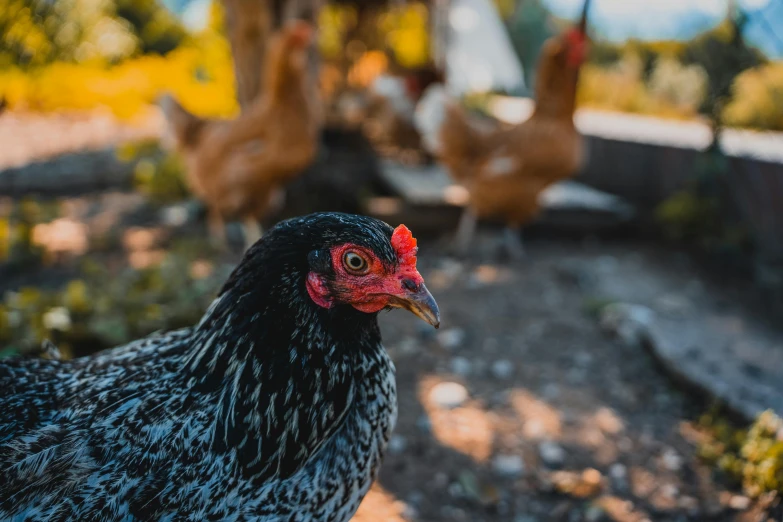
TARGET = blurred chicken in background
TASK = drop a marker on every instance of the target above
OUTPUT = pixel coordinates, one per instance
(505, 169)
(238, 168)
(382, 103)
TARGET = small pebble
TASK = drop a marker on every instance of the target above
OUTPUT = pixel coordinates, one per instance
(441, 480)
(461, 366)
(424, 423)
(508, 465)
(175, 216)
(669, 491)
(452, 338)
(551, 453)
(410, 513)
(397, 444)
(415, 498)
(690, 504)
(671, 460)
(739, 502)
(576, 376)
(674, 305)
(618, 471)
(448, 395)
(550, 391)
(502, 369)
(583, 359)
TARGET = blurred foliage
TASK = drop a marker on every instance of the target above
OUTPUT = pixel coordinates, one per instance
(754, 456)
(157, 28)
(17, 222)
(715, 74)
(703, 213)
(406, 32)
(38, 32)
(758, 99)
(157, 173)
(91, 54)
(402, 30)
(108, 308)
(672, 91)
(199, 74)
(334, 23)
(723, 54)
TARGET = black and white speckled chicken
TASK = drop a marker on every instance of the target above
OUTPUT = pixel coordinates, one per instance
(276, 407)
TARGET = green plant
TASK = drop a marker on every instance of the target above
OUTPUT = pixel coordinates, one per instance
(158, 174)
(109, 307)
(702, 212)
(752, 456)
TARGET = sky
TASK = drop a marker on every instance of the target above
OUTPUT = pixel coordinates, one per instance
(679, 19)
(618, 20)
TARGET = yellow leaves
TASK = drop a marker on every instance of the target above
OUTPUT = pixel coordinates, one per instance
(407, 33)
(753, 456)
(76, 297)
(675, 91)
(200, 76)
(333, 23)
(758, 98)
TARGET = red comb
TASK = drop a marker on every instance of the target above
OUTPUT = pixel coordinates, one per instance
(577, 43)
(404, 245)
(575, 36)
(300, 33)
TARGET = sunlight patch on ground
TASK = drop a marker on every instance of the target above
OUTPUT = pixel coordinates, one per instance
(467, 429)
(380, 506)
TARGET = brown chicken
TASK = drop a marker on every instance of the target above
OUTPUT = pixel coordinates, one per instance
(238, 167)
(505, 169)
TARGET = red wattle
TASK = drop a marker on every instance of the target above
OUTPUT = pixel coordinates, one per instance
(318, 290)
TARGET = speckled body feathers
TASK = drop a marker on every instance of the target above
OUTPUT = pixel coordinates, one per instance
(270, 409)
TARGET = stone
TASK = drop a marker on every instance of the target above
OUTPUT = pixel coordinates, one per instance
(739, 502)
(618, 471)
(669, 491)
(451, 338)
(510, 466)
(671, 460)
(424, 423)
(673, 305)
(551, 453)
(461, 366)
(502, 369)
(579, 485)
(629, 322)
(550, 391)
(397, 444)
(448, 395)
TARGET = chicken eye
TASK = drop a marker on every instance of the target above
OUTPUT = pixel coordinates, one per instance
(355, 263)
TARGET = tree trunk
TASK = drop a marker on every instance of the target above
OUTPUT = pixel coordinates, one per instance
(440, 34)
(248, 24)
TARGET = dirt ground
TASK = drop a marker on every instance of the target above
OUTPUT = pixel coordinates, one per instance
(560, 422)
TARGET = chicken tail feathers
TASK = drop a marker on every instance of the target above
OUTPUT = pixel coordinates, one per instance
(445, 128)
(459, 137)
(184, 128)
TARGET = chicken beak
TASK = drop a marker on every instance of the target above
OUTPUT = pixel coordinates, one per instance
(420, 303)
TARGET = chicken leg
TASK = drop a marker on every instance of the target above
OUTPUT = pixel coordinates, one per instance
(252, 231)
(217, 229)
(465, 232)
(512, 243)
